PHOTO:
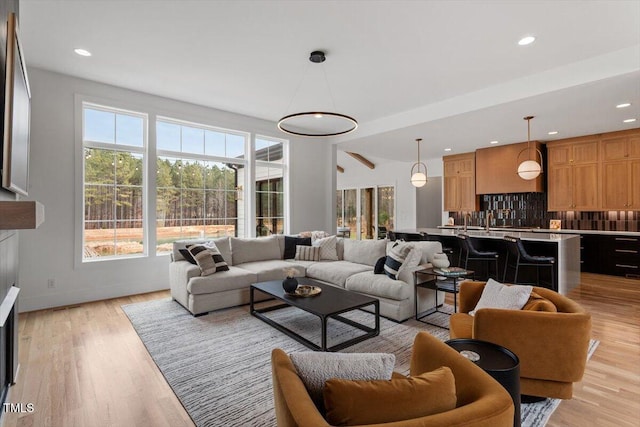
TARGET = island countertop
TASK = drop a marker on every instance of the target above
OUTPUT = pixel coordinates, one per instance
(565, 248)
(544, 230)
(495, 234)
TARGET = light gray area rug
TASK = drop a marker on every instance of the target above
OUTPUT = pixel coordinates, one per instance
(219, 365)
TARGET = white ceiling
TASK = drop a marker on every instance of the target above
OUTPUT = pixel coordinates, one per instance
(449, 72)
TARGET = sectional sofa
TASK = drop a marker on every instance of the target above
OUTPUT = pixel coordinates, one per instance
(261, 259)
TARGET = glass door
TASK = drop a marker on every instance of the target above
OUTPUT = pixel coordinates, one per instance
(365, 213)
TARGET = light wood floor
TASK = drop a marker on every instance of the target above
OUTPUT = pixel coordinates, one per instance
(85, 366)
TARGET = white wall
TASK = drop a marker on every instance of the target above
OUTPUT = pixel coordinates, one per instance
(48, 252)
(387, 173)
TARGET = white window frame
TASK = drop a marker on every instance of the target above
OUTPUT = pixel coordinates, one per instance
(111, 107)
(202, 157)
(149, 185)
(286, 208)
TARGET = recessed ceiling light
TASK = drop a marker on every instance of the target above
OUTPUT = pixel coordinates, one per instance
(526, 40)
(447, 149)
(629, 120)
(493, 142)
(553, 132)
(623, 105)
(82, 52)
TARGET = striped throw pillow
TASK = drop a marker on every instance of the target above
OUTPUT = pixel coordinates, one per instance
(307, 253)
(208, 258)
(397, 255)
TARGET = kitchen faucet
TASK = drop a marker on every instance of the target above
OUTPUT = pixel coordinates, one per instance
(467, 218)
(489, 218)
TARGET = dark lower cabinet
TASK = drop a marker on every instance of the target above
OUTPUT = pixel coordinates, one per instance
(613, 255)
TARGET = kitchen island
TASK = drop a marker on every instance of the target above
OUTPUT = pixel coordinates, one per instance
(564, 247)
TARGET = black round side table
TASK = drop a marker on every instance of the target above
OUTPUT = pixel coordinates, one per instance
(499, 362)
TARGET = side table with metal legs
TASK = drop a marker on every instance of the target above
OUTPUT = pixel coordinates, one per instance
(428, 279)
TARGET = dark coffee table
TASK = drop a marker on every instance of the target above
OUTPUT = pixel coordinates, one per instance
(329, 304)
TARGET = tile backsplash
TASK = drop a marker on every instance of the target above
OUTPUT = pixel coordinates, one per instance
(530, 210)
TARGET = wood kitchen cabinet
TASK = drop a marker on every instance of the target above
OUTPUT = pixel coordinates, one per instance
(573, 177)
(460, 183)
(621, 172)
(496, 169)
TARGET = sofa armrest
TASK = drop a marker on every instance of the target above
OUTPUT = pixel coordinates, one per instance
(180, 272)
(565, 336)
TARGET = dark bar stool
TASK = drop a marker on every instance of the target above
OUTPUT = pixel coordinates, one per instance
(468, 252)
(445, 249)
(518, 256)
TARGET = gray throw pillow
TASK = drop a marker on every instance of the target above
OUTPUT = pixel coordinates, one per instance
(314, 369)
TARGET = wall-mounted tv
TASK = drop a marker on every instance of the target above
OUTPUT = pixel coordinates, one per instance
(17, 115)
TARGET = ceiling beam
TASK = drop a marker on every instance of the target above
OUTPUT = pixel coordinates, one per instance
(340, 168)
(362, 160)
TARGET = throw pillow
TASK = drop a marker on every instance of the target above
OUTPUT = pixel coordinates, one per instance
(307, 253)
(208, 258)
(314, 369)
(350, 403)
(379, 267)
(328, 250)
(395, 258)
(497, 295)
(539, 303)
(187, 255)
(290, 243)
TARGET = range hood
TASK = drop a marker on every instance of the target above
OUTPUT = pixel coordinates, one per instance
(497, 171)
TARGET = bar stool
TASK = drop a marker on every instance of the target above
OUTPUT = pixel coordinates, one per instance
(519, 256)
(445, 249)
(470, 253)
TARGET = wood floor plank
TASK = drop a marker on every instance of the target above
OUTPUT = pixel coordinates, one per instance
(85, 366)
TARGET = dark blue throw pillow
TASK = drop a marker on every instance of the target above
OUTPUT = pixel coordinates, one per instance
(379, 267)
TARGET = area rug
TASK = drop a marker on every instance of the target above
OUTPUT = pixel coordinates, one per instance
(218, 365)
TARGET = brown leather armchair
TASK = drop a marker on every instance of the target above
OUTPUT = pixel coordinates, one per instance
(481, 401)
(552, 346)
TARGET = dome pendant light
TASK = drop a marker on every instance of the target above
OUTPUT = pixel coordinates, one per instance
(418, 170)
(529, 169)
(317, 123)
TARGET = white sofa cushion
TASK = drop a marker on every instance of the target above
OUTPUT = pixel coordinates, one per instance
(364, 251)
(234, 278)
(335, 272)
(272, 269)
(379, 285)
(259, 249)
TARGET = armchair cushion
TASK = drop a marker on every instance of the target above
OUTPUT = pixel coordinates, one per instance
(539, 303)
(314, 369)
(358, 402)
(497, 295)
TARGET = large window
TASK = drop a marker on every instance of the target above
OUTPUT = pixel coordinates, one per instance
(141, 190)
(114, 144)
(269, 160)
(197, 182)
